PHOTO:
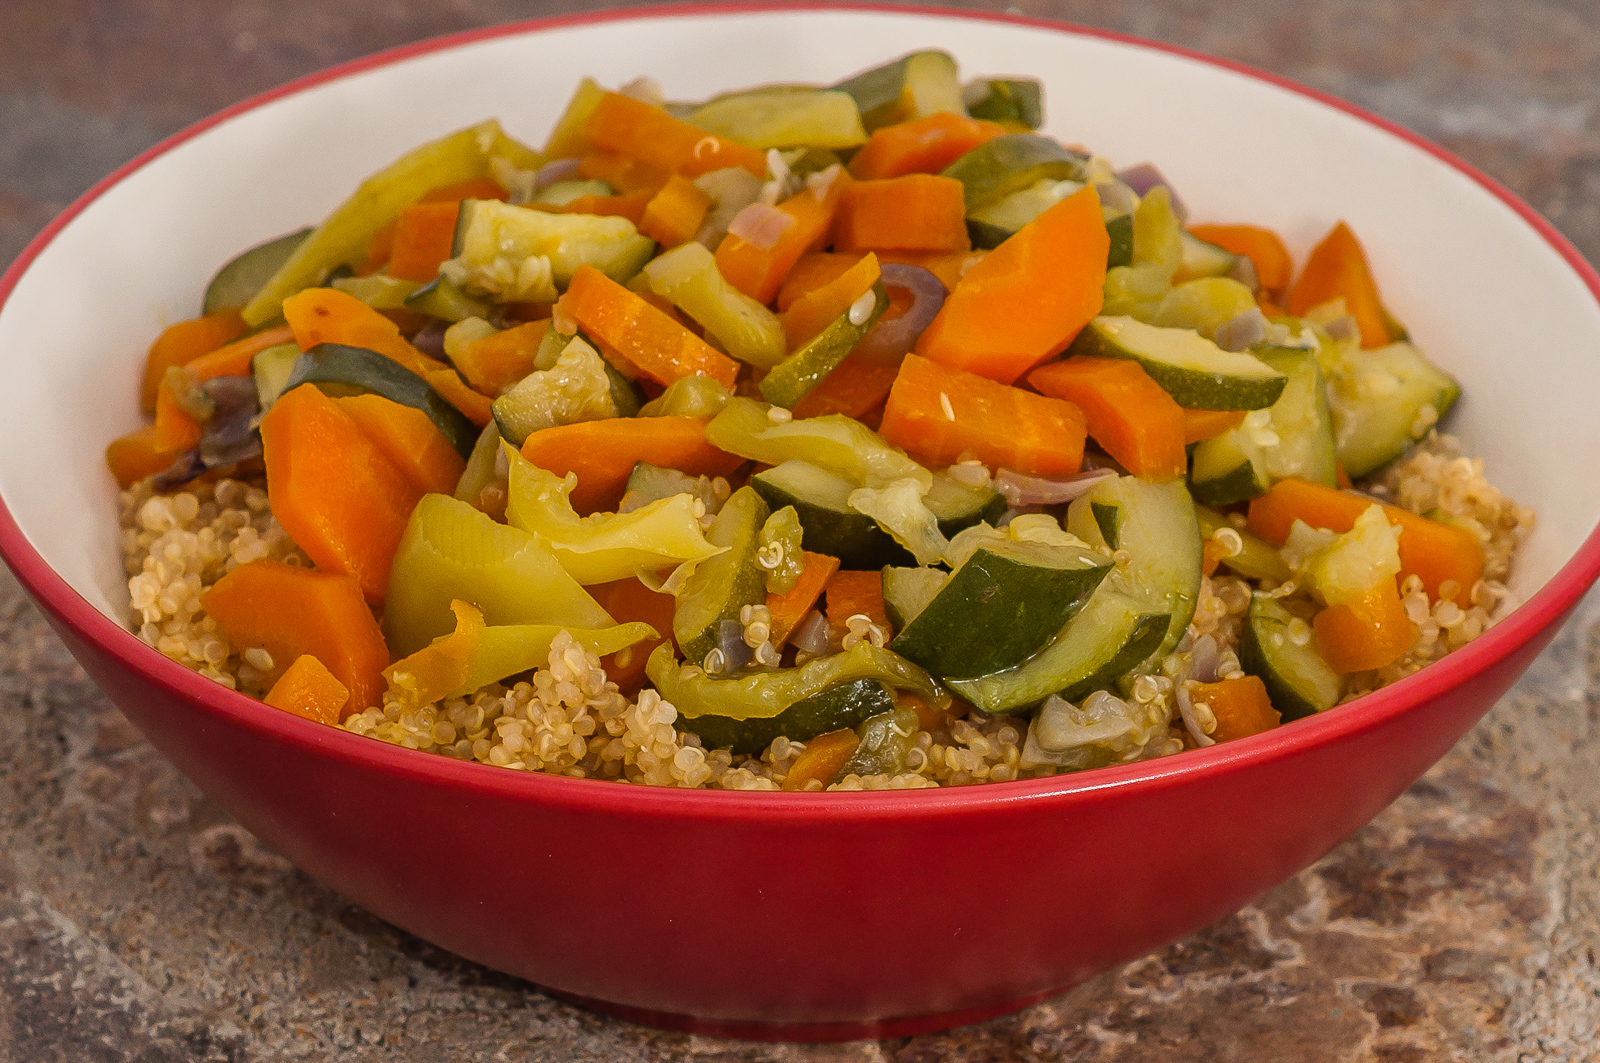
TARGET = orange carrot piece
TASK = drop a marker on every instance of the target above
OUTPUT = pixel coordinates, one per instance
(182, 343)
(651, 135)
(1368, 633)
(674, 214)
(760, 272)
(929, 716)
(856, 386)
(473, 188)
(1127, 413)
(291, 611)
(791, 607)
(1212, 554)
(379, 249)
(479, 409)
(850, 593)
(422, 237)
(1437, 553)
(333, 490)
(622, 172)
(648, 338)
(948, 266)
(308, 689)
(943, 413)
(628, 600)
(1337, 269)
(603, 453)
(1240, 706)
(819, 308)
(630, 205)
(410, 439)
(822, 759)
(1205, 424)
(136, 455)
(497, 361)
(1263, 247)
(923, 145)
(327, 315)
(917, 212)
(1342, 478)
(811, 271)
(1026, 299)
(175, 431)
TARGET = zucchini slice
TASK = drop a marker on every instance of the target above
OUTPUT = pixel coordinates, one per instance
(238, 281)
(444, 299)
(1258, 559)
(723, 585)
(1006, 165)
(994, 612)
(1120, 230)
(913, 86)
(783, 117)
(907, 591)
(340, 370)
(990, 226)
(1381, 400)
(1018, 101)
(1299, 682)
(494, 240)
(1197, 373)
(795, 377)
(272, 369)
(958, 506)
(828, 524)
(846, 705)
(649, 483)
(1202, 259)
(1297, 439)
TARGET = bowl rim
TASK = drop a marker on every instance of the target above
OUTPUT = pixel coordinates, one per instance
(72, 611)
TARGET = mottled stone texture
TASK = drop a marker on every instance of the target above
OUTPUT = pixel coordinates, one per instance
(138, 922)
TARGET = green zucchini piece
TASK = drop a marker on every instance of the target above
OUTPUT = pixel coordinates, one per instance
(496, 245)
(1297, 439)
(723, 585)
(1202, 259)
(846, 705)
(649, 483)
(1108, 518)
(272, 369)
(340, 370)
(690, 396)
(958, 506)
(840, 444)
(378, 290)
(907, 591)
(444, 299)
(913, 86)
(1258, 559)
(688, 277)
(1197, 373)
(989, 226)
(1110, 636)
(238, 281)
(829, 526)
(1299, 682)
(1120, 230)
(783, 118)
(480, 470)
(1381, 399)
(883, 743)
(1006, 165)
(1227, 469)
(1161, 534)
(579, 387)
(1016, 100)
(1000, 607)
(797, 375)
(1203, 304)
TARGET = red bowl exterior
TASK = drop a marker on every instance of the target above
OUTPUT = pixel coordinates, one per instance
(807, 916)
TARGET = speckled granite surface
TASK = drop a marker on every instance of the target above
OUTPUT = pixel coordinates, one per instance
(138, 922)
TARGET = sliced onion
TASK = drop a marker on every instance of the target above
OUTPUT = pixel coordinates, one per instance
(229, 436)
(1022, 490)
(821, 181)
(430, 339)
(1203, 660)
(760, 225)
(736, 653)
(551, 172)
(891, 339)
(1244, 271)
(813, 636)
(1143, 177)
(184, 468)
(1342, 328)
(1245, 330)
(1191, 721)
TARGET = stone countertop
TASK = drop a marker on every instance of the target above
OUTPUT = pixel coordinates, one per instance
(139, 922)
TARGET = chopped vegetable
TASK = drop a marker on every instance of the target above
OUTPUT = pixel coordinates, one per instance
(923, 145)
(917, 212)
(1337, 269)
(308, 689)
(409, 439)
(760, 271)
(651, 135)
(1126, 412)
(1240, 706)
(823, 757)
(603, 453)
(649, 339)
(182, 343)
(1263, 247)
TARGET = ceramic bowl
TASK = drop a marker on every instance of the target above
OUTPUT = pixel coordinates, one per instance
(820, 915)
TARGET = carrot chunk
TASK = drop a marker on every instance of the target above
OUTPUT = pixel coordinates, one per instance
(673, 215)
(648, 338)
(1129, 414)
(917, 212)
(327, 315)
(821, 306)
(333, 490)
(628, 600)
(1337, 269)
(1263, 247)
(811, 271)
(923, 145)
(408, 438)
(182, 343)
(291, 611)
(1025, 300)
(422, 237)
(136, 455)
(850, 593)
(822, 759)
(308, 689)
(448, 383)
(1205, 424)
(1436, 553)
(630, 205)
(622, 172)
(1240, 706)
(944, 413)
(789, 608)
(499, 360)
(603, 453)
(760, 271)
(856, 386)
(651, 135)
(1368, 633)
(948, 266)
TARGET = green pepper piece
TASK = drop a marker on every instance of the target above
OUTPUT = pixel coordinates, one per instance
(722, 586)
(605, 546)
(997, 168)
(450, 550)
(763, 695)
(834, 442)
(802, 371)
(343, 236)
(688, 277)
(379, 290)
(480, 471)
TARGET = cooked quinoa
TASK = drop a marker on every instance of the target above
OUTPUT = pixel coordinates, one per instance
(570, 719)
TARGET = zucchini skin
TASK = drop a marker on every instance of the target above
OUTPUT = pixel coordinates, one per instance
(1266, 651)
(341, 370)
(846, 705)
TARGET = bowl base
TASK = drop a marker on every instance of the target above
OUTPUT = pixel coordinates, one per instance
(807, 1032)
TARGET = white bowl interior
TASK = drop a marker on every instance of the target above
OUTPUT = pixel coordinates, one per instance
(1480, 290)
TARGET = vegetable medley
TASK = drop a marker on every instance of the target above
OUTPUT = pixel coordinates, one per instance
(860, 436)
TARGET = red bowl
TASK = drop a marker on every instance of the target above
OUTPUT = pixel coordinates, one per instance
(800, 916)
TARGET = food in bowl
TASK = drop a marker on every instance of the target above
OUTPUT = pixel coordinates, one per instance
(848, 437)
